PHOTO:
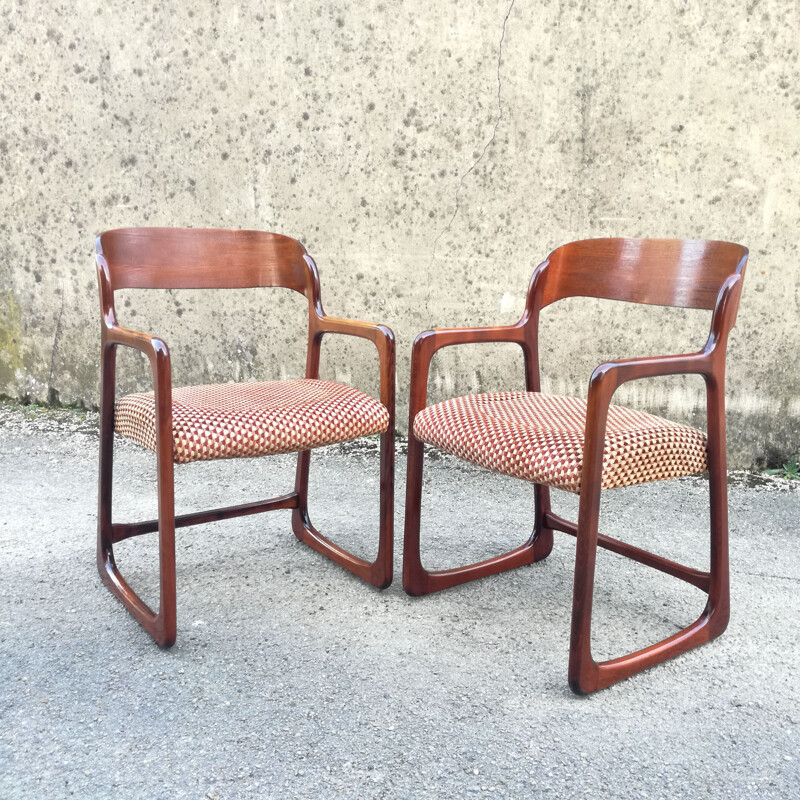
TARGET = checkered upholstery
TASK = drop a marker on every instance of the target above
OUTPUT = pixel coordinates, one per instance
(252, 419)
(539, 438)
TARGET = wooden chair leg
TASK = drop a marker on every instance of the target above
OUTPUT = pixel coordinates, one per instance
(583, 670)
(542, 536)
(418, 581)
(105, 552)
(377, 572)
(587, 675)
(163, 625)
(719, 601)
(167, 620)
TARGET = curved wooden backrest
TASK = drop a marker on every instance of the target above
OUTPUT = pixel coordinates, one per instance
(687, 273)
(195, 258)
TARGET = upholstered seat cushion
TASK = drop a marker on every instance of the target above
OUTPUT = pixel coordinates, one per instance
(251, 419)
(539, 438)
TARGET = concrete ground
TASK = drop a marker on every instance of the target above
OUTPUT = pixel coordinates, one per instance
(292, 679)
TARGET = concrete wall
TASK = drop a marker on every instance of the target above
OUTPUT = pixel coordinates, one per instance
(429, 155)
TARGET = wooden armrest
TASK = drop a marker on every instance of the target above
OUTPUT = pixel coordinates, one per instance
(150, 345)
(351, 327)
(380, 335)
(157, 353)
(613, 374)
(436, 339)
(428, 342)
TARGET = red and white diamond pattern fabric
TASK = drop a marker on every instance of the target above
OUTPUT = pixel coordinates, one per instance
(539, 438)
(232, 420)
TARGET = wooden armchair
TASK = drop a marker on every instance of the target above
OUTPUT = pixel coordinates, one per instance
(229, 420)
(584, 446)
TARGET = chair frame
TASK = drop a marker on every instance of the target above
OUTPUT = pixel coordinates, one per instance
(683, 273)
(171, 258)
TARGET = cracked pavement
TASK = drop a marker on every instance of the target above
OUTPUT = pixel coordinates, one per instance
(290, 678)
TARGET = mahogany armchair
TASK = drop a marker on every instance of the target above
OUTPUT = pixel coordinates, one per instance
(584, 446)
(234, 419)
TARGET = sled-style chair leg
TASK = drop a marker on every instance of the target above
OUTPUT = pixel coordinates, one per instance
(585, 674)
(419, 581)
(377, 572)
(161, 625)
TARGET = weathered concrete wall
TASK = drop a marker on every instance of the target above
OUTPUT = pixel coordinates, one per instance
(428, 155)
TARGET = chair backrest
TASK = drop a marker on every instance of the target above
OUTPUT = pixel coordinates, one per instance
(194, 258)
(688, 273)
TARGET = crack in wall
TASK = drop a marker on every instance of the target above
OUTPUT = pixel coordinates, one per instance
(478, 159)
(52, 394)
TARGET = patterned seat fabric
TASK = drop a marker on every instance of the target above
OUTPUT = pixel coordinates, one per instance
(252, 419)
(539, 438)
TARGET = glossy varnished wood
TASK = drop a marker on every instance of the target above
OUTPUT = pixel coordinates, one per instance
(125, 530)
(196, 258)
(686, 273)
(696, 577)
(175, 258)
(683, 273)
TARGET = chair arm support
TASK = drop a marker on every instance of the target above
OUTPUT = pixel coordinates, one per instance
(709, 362)
(376, 333)
(612, 374)
(608, 377)
(429, 342)
(725, 313)
(157, 353)
(380, 335)
(151, 346)
(433, 340)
